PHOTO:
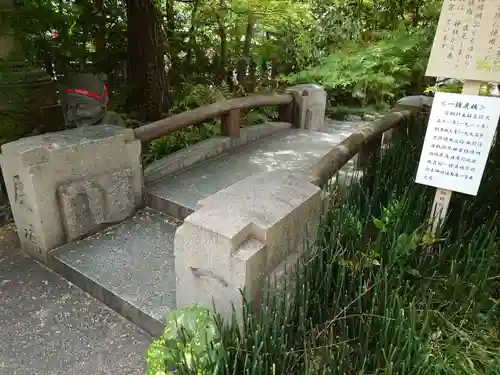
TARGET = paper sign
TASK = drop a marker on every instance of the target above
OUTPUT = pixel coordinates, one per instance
(457, 142)
(467, 41)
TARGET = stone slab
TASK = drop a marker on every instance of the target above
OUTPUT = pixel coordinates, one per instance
(50, 326)
(88, 203)
(34, 167)
(295, 151)
(415, 102)
(32, 147)
(130, 267)
(238, 236)
(207, 149)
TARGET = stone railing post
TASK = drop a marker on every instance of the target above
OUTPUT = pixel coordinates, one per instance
(310, 106)
(367, 157)
(65, 185)
(242, 235)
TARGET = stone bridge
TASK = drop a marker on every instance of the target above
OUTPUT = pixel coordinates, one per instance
(196, 226)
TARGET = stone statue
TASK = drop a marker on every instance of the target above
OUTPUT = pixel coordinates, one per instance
(85, 101)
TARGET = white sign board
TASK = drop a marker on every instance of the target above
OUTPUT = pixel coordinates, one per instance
(457, 142)
(467, 41)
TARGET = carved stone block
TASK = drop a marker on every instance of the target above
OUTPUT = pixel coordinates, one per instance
(240, 236)
(54, 179)
(88, 203)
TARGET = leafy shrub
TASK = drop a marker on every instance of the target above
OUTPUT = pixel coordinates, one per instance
(456, 87)
(196, 95)
(372, 72)
(187, 335)
(178, 140)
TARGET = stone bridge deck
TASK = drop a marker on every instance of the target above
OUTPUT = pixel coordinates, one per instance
(131, 266)
(293, 150)
(63, 186)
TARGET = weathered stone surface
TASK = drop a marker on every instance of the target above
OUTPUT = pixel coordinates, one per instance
(240, 235)
(354, 118)
(89, 203)
(311, 104)
(209, 148)
(295, 150)
(34, 168)
(129, 266)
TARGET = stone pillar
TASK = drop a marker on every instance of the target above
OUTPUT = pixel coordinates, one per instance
(310, 106)
(9, 45)
(242, 235)
(24, 89)
(65, 185)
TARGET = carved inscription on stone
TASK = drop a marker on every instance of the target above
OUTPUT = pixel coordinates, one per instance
(18, 190)
(87, 204)
(30, 237)
(19, 194)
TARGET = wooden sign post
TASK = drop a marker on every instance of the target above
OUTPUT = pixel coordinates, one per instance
(461, 126)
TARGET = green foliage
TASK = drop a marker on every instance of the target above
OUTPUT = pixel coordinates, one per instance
(389, 215)
(372, 72)
(456, 87)
(256, 117)
(376, 294)
(190, 338)
(197, 95)
(194, 96)
(174, 142)
(365, 53)
(263, 39)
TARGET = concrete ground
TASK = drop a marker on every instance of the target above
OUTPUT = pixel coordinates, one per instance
(50, 327)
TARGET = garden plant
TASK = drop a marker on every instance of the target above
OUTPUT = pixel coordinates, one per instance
(376, 293)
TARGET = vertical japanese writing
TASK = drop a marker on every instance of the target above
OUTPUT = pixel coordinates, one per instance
(467, 44)
(493, 45)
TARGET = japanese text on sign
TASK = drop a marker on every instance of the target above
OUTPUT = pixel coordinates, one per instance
(467, 41)
(457, 142)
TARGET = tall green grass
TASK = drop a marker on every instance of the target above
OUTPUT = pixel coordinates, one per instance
(376, 294)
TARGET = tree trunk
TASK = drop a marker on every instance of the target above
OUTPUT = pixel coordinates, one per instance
(191, 42)
(101, 58)
(175, 68)
(221, 75)
(246, 50)
(146, 64)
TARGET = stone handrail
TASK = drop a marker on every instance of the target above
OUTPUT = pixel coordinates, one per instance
(366, 141)
(300, 107)
(228, 109)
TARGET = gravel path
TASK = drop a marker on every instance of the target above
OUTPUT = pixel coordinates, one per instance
(50, 327)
